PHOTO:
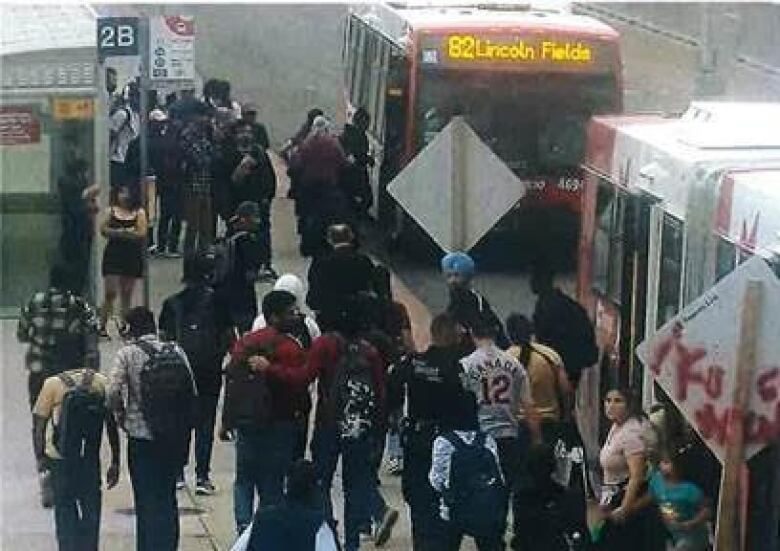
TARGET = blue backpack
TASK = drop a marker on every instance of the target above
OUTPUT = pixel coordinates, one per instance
(476, 497)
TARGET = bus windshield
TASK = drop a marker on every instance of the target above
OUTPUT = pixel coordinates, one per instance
(535, 122)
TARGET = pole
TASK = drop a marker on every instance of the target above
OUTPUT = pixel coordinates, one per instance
(728, 535)
(143, 45)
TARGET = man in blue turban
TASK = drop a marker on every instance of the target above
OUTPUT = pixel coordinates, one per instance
(466, 305)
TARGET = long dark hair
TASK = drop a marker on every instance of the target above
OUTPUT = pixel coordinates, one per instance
(133, 189)
(633, 402)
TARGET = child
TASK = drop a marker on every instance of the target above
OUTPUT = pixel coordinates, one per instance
(682, 505)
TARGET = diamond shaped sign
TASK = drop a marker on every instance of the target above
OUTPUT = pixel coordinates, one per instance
(456, 188)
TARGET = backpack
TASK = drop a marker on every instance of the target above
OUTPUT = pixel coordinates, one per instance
(196, 329)
(225, 255)
(133, 155)
(248, 401)
(82, 414)
(167, 392)
(476, 496)
(573, 337)
(354, 403)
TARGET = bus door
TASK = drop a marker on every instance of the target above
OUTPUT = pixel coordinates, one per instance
(395, 108)
(637, 221)
(666, 258)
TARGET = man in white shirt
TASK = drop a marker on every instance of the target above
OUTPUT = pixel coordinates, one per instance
(501, 386)
(124, 127)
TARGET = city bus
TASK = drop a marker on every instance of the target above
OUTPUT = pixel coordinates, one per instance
(526, 80)
(670, 205)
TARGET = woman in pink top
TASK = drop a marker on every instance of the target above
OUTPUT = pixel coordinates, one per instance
(622, 460)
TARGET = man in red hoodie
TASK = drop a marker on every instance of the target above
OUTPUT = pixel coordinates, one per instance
(349, 417)
(265, 452)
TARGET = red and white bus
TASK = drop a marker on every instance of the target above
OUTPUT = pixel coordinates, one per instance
(526, 80)
(670, 205)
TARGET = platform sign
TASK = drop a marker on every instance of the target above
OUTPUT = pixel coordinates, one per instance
(117, 36)
(19, 126)
(171, 48)
(694, 356)
(456, 188)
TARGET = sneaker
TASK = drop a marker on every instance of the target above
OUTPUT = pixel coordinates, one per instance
(204, 487)
(395, 466)
(180, 485)
(385, 528)
(268, 274)
(366, 533)
(153, 250)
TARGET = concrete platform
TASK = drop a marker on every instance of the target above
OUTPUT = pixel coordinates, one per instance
(25, 525)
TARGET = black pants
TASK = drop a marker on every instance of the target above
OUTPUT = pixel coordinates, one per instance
(303, 437)
(204, 433)
(153, 475)
(513, 459)
(264, 233)
(77, 501)
(428, 528)
(169, 228)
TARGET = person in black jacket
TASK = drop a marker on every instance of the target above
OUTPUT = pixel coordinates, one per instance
(253, 179)
(245, 251)
(355, 182)
(198, 322)
(339, 279)
(466, 305)
(431, 383)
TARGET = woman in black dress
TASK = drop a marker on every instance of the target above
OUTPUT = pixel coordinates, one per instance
(124, 227)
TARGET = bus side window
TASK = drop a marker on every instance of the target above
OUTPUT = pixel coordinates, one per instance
(608, 241)
(727, 258)
(617, 248)
(670, 274)
(605, 199)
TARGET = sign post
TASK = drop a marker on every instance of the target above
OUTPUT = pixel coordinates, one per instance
(144, 143)
(728, 527)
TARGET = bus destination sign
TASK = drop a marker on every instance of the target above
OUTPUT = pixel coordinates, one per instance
(472, 49)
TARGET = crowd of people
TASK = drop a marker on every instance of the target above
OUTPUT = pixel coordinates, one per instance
(478, 425)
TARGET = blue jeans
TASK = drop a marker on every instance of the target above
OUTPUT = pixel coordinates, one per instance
(153, 469)
(77, 501)
(263, 457)
(362, 500)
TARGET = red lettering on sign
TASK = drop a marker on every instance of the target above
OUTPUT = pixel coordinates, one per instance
(719, 428)
(711, 425)
(768, 383)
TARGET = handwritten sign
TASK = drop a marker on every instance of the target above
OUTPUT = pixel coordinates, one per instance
(18, 126)
(693, 358)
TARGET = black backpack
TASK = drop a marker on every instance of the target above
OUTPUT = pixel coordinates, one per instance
(354, 403)
(167, 393)
(476, 496)
(82, 414)
(196, 328)
(225, 255)
(571, 335)
(248, 400)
